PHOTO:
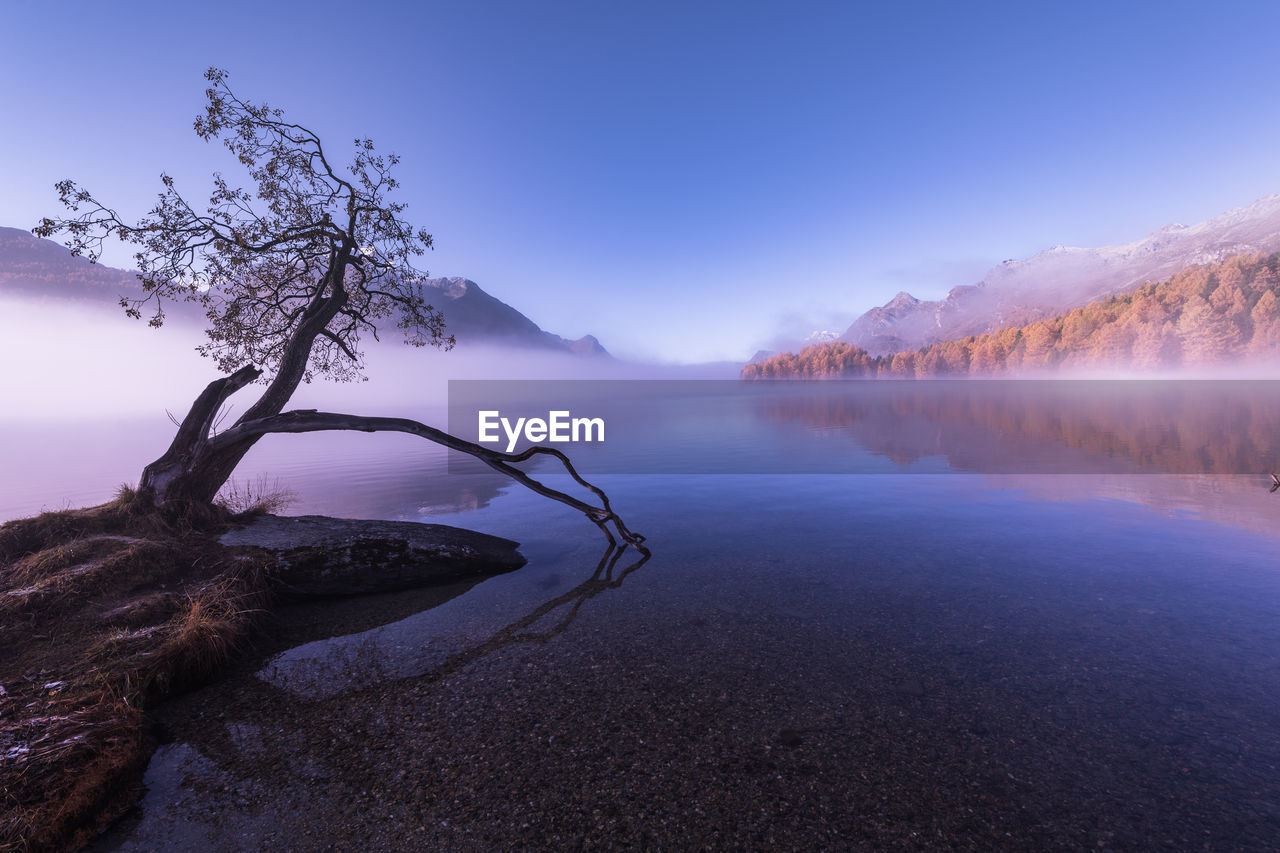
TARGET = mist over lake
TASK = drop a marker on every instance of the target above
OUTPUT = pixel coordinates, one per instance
(960, 626)
(982, 651)
(834, 427)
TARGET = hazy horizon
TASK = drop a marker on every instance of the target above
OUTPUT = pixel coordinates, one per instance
(689, 179)
(890, 592)
(153, 370)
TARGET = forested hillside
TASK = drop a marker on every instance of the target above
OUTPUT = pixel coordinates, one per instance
(42, 269)
(1207, 315)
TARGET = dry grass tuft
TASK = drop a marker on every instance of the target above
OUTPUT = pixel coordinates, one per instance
(89, 757)
(102, 611)
(124, 515)
(262, 496)
(218, 620)
(29, 535)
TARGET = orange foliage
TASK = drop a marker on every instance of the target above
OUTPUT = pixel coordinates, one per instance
(1202, 316)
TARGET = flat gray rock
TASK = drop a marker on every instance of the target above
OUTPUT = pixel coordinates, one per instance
(318, 555)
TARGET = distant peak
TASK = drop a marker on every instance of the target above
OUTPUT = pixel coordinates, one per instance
(455, 286)
(1063, 277)
(1266, 201)
(820, 336)
(1263, 208)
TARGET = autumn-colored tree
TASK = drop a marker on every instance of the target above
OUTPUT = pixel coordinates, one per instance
(1039, 340)
(1156, 346)
(903, 365)
(1112, 344)
(1208, 336)
(1203, 315)
(1265, 320)
(1077, 326)
(989, 356)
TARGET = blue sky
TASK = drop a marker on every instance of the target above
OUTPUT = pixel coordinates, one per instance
(685, 179)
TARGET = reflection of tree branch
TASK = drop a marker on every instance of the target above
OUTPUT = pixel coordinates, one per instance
(219, 744)
(602, 579)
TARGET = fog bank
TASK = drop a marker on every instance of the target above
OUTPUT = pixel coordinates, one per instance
(67, 362)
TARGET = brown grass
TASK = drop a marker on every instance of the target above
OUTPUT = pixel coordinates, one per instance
(258, 497)
(101, 612)
(80, 765)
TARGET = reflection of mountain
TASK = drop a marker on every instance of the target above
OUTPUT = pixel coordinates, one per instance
(1241, 502)
(36, 269)
(1019, 292)
(1201, 317)
(1054, 427)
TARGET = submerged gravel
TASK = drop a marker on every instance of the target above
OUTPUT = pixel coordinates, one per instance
(677, 715)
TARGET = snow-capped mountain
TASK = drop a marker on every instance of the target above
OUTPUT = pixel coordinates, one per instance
(1056, 280)
(820, 336)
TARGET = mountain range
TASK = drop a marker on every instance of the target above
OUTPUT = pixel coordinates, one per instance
(472, 314)
(43, 270)
(1019, 292)
(1223, 318)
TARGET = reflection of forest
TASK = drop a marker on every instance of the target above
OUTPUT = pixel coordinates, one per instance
(1194, 427)
(1240, 502)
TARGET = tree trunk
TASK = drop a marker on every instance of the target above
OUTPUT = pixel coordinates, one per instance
(178, 478)
(186, 479)
(190, 473)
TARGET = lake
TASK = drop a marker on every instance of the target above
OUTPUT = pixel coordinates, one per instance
(1015, 620)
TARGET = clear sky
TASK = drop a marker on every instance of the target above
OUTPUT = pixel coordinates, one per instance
(685, 179)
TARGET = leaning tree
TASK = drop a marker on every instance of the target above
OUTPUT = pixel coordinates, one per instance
(293, 276)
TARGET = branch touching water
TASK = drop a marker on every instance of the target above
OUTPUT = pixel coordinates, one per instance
(311, 420)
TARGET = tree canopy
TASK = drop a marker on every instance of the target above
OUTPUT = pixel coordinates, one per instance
(312, 239)
(292, 275)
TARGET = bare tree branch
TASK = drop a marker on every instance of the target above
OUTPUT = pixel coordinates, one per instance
(307, 229)
(309, 420)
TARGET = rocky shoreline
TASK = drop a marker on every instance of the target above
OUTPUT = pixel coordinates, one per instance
(107, 613)
(314, 555)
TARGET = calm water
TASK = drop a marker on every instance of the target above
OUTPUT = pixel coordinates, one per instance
(854, 661)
